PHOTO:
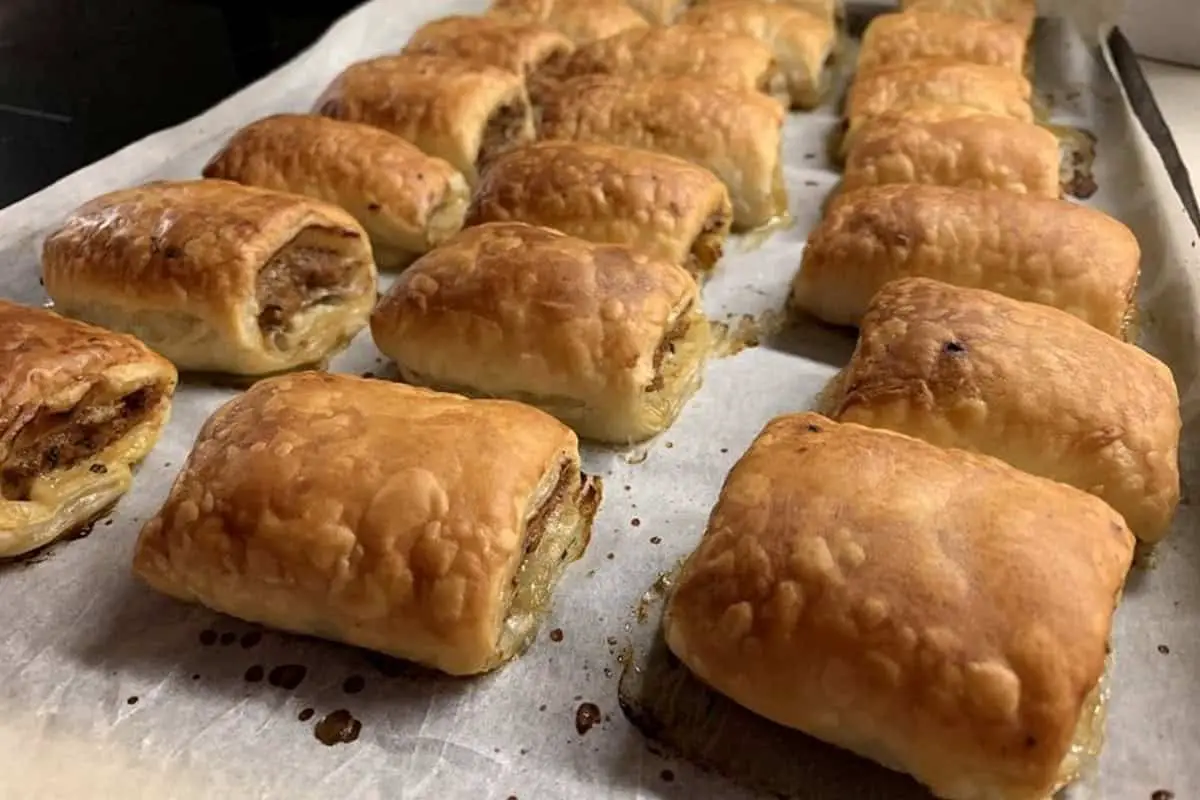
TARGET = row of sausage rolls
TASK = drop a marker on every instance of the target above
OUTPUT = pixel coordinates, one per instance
(926, 572)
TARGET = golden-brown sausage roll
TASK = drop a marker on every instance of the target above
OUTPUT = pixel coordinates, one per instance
(660, 12)
(977, 152)
(824, 9)
(801, 42)
(79, 406)
(1020, 13)
(736, 134)
(455, 110)
(408, 202)
(216, 276)
(665, 206)
(934, 610)
(916, 113)
(609, 340)
(1044, 251)
(996, 90)
(581, 21)
(444, 549)
(520, 47)
(897, 38)
(715, 57)
(1026, 383)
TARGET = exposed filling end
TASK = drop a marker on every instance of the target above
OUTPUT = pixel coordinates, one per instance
(294, 280)
(666, 349)
(709, 244)
(504, 129)
(59, 440)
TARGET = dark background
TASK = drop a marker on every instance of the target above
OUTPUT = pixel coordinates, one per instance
(82, 78)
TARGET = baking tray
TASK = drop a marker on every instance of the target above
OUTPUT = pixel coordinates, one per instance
(111, 690)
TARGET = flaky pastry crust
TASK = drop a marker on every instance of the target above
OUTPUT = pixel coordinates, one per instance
(665, 206)
(1025, 383)
(197, 270)
(408, 202)
(513, 45)
(802, 43)
(897, 38)
(79, 406)
(1044, 251)
(825, 9)
(981, 151)
(920, 113)
(461, 112)
(735, 134)
(424, 555)
(581, 21)
(609, 340)
(934, 610)
(660, 12)
(996, 90)
(1021, 13)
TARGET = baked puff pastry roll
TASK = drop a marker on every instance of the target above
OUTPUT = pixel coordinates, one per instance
(934, 610)
(735, 134)
(460, 112)
(444, 549)
(216, 276)
(976, 152)
(666, 207)
(824, 9)
(1025, 383)
(801, 42)
(896, 38)
(660, 12)
(717, 57)
(1052, 252)
(520, 47)
(79, 406)
(609, 340)
(1021, 13)
(581, 21)
(996, 90)
(408, 202)
(915, 114)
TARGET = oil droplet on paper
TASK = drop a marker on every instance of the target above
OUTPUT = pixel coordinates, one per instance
(586, 717)
(337, 727)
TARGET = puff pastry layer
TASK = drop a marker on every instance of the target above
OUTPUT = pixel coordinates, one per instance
(975, 152)
(996, 90)
(216, 276)
(460, 112)
(444, 549)
(1026, 383)
(736, 134)
(916, 114)
(79, 406)
(897, 38)
(661, 12)
(513, 45)
(825, 9)
(664, 206)
(717, 57)
(408, 202)
(607, 339)
(1021, 13)
(1044, 251)
(934, 610)
(801, 43)
(581, 21)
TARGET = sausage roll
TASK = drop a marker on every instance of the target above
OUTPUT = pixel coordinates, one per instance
(977, 152)
(996, 90)
(735, 134)
(1026, 383)
(451, 109)
(609, 340)
(1044, 251)
(897, 38)
(581, 21)
(934, 610)
(512, 45)
(216, 276)
(801, 42)
(660, 12)
(408, 202)
(79, 406)
(824, 9)
(716, 57)
(667, 207)
(1020, 13)
(917, 114)
(444, 549)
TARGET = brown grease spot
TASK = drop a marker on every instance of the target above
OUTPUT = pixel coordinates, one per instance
(556, 635)
(354, 684)
(337, 727)
(1162, 794)
(228, 638)
(132, 700)
(208, 637)
(287, 676)
(254, 674)
(250, 639)
(586, 716)
(305, 714)
(655, 540)
(1162, 648)
(635, 522)
(667, 775)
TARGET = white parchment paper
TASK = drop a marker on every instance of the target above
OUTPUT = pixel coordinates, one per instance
(81, 637)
